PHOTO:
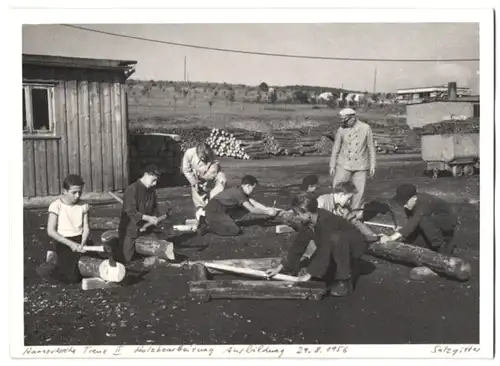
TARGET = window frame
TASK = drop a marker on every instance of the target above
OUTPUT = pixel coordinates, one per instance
(27, 89)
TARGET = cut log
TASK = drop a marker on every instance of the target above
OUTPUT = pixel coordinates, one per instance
(403, 253)
(262, 290)
(248, 272)
(148, 246)
(96, 283)
(95, 267)
(103, 223)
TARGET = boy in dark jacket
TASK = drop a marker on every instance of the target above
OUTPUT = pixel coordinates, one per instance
(431, 221)
(230, 203)
(140, 208)
(337, 242)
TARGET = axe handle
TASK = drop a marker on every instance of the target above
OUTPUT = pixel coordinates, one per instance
(161, 218)
(118, 199)
(99, 249)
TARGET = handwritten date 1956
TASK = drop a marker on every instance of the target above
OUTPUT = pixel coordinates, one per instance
(317, 350)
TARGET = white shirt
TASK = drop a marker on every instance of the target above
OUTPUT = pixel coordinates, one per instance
(69, 217)
(194, 169)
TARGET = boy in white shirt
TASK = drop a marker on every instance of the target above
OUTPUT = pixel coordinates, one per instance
(68, 227)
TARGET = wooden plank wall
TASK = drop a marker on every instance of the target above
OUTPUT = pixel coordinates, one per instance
(92, 127)
(42, 174)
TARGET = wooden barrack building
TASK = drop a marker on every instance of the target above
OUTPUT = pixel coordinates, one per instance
(74, 122)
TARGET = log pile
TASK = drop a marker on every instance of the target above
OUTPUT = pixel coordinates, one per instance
(470, 125)
(225, 144)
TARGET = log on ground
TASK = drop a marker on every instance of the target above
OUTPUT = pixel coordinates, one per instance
(95, 267)
(262, 290)
(149, 246)
(403, 253)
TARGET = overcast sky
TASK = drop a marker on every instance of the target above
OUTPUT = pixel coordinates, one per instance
(368, 40)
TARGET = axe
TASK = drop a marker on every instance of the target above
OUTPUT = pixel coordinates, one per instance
(106, 248)
(161, 218)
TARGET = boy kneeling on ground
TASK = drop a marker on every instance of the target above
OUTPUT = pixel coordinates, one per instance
(140, 216)
(431, 221)
(337, 242)
(232, 203)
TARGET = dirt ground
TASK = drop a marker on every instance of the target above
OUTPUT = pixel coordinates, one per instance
(155, 307)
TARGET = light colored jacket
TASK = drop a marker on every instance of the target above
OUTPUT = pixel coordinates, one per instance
(353, 148)
(194, 169)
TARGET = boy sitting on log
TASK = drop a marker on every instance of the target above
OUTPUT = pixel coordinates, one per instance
(337, 242)
(339, 203)
(230, 203)
(431, 221)
(140, 217)
(68, 227)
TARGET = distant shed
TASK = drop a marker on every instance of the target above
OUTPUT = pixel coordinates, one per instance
(74, 122)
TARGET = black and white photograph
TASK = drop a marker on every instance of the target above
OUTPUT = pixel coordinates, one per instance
(261, 184)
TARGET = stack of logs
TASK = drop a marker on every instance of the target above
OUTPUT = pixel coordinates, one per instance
(225, 144)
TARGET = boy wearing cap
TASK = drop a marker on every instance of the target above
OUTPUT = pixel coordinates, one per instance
(140, 207)
(230, 203)
(431, 221)
(353, 156)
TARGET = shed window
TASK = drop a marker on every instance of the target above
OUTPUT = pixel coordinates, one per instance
(38, 109)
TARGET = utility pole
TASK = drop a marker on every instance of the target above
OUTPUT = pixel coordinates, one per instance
(375, 80)
(185, 68)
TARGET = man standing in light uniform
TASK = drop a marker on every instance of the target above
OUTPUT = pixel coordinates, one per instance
(204, 174)
(353, 156)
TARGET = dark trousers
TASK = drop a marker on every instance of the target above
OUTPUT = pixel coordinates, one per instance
(125, 250)
(435, 233)
(219, 221)
(67, 261)
(341, 251)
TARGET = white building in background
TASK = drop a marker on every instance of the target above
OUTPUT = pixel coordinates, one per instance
(425, 94)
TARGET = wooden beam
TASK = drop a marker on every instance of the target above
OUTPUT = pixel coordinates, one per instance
(260, 290)
(248, 272)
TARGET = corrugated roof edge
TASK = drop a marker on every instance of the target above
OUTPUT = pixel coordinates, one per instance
(77, 62)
